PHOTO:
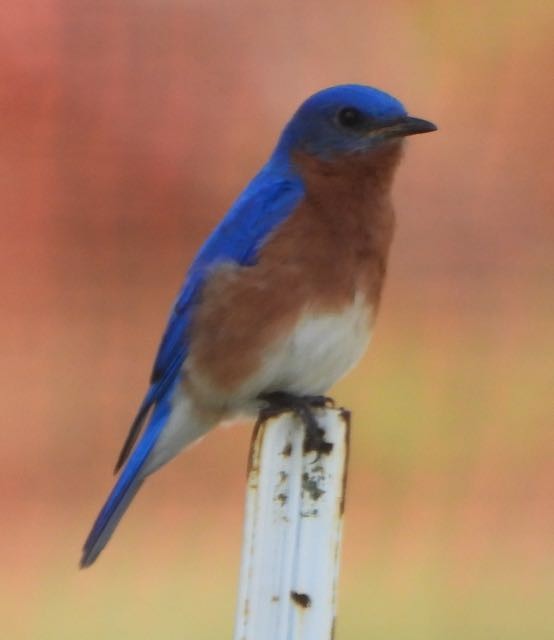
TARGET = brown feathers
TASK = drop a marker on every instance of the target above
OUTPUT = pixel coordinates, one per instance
(333, 245)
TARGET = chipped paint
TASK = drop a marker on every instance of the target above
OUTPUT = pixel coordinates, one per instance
(287, 450)
(292, 531)
(282, 497)
(346, 415)
(312, 485)
(301, 599)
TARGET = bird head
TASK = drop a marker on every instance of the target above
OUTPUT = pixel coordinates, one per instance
(348, 119)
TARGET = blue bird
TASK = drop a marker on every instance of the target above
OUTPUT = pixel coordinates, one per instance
(281, 299)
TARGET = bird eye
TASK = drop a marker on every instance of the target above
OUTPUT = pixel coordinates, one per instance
(350, 117)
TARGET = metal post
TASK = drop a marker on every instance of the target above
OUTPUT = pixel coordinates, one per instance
(292, 531)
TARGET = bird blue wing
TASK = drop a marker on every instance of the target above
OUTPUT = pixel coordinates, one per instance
(127, 485)
(264, 204)
(261, 208)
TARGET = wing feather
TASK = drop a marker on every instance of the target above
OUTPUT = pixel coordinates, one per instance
(261, 208)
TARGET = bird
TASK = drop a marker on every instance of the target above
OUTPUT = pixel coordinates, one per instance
(281, 299)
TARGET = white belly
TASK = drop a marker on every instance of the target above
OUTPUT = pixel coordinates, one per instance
(319, 351)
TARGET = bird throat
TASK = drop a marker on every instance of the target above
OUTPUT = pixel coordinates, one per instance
(370, 170)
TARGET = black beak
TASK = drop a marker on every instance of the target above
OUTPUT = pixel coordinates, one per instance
(408, 126)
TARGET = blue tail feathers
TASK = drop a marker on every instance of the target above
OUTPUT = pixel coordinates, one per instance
(127, 485)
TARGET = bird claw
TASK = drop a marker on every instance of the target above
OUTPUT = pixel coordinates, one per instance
(302, 407)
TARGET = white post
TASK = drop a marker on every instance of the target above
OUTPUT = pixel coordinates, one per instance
(292, 532)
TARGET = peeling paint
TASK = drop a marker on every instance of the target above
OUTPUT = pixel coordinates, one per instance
(316, 443)
(282, 498)
(311, 486)
(290, 562)
(346, 416)
(255, 447)
(301, 599)
(287, 450)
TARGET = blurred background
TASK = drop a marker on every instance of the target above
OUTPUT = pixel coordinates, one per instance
(126, 131)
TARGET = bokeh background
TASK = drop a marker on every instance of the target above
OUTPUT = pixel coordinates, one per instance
(126, 130)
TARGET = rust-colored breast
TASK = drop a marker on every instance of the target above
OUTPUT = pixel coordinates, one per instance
(333, 245)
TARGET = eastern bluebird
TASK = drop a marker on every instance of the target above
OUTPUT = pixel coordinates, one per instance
(280, 301)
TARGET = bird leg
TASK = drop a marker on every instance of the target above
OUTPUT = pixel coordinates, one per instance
(278, 402)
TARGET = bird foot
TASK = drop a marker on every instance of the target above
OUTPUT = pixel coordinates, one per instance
(278, 402)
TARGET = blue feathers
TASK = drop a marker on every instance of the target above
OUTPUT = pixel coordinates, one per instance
(126, 486)
(265, 203)
(262, 206)
(347, 119)
(316, 127)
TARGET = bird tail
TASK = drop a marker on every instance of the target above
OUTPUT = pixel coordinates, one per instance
(174, 424)
(126, 487)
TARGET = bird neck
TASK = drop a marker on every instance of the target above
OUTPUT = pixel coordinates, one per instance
(341, 231)
(368, 173)
(352, 193)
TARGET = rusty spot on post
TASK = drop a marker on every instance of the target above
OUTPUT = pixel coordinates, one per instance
(345, 415)
(260, 424)
(315, 442)
(287, 450)
(301, 599)
(311, 486)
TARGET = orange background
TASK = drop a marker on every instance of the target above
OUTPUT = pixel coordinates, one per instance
(126, 131)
